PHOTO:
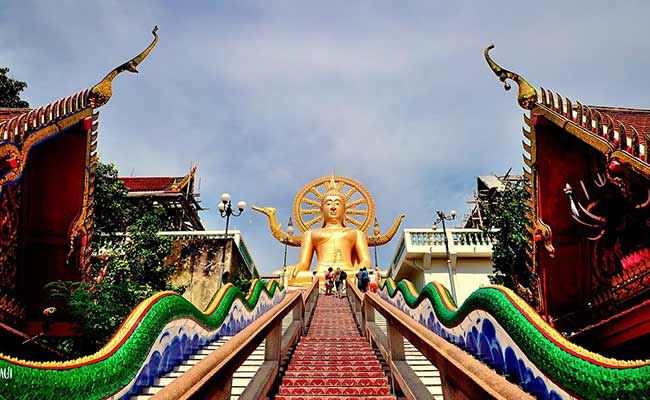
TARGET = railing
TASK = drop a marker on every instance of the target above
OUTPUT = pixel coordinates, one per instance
(211, 378)
(456, 237)
(399, 252)
(462, 376)
(310, 303)
(463, 243)
(355, 297)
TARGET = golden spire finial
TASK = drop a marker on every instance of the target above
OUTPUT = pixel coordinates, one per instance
(332, 188)
(527, 94)
(102, 92)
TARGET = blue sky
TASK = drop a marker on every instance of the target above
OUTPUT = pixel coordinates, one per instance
(268, 96)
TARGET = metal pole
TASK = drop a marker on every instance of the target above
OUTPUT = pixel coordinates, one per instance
(376, 263)
(225, 245)
(223, 253)
(452, 285)
(284, 263)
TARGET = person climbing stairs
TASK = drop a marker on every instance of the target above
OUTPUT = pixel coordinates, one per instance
(333, 360)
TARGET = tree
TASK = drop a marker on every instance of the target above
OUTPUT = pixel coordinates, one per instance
(112, 210)
(505, 216)
(10, 91)
(242, 282)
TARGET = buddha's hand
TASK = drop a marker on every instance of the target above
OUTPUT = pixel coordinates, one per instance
(292, 271)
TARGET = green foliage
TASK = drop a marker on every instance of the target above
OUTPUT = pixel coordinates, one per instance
(126, 234)
(10, 91)
(505, 221)
(114, 213)
(242, 282)
(112, 210)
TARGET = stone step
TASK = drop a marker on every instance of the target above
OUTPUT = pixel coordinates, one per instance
(326, 357)
(428, 373)
(333, 397)
(241, 377)
(333, 390)
(324, 347)
(351, 363)
(333, 374)
(333, 360)
(335, 368)
(417, 368)
(152, 390)
(333, 339)
(340, 353)
(338, 382)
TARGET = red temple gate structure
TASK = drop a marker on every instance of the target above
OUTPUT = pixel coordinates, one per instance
(588, 172)
(48, 157)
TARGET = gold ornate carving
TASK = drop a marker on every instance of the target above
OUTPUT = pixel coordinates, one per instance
(80, 231)
(527, 94)
(359, 197)
(177, 186)
(379, 240)
(276, 228)
(102, 92)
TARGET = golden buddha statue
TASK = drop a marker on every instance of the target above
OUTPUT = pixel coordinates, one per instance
(336, 244)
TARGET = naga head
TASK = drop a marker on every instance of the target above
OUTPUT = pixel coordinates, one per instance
(615, 215)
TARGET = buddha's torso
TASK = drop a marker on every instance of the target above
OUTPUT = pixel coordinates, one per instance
(334, 246)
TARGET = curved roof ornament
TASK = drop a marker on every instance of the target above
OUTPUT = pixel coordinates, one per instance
(101, 92)
(527, 96)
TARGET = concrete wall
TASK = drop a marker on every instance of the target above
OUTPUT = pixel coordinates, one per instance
(470, 274)
(199, 269)
(420, 256)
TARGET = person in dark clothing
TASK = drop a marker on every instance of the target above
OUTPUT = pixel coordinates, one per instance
(340, 284)
(359, 276)
(365, 279)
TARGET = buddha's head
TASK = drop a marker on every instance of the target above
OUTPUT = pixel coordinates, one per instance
(332, 206)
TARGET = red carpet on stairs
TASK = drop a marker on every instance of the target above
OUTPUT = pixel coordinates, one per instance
(333, 361)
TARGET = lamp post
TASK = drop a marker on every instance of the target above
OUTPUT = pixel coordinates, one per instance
(286, 242)
(225, 209)
(376, 232)
(442, 217)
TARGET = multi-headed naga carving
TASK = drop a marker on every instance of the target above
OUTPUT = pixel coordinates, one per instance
(616, 217)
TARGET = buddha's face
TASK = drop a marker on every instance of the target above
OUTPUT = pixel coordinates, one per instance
(333, 209)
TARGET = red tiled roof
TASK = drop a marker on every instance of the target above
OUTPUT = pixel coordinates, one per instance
(150, 184)
(8, 113)
(639, 119)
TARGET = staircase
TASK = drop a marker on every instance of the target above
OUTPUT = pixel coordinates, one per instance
(166, 379)
(427, 372)
(333, 361)
(240, 379)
